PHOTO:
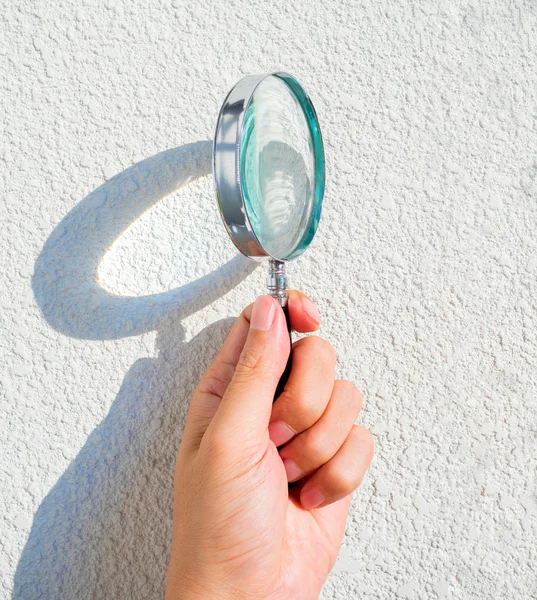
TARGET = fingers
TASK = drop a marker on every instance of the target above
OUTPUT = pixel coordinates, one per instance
(208, 395)
(303, 313)
(342, 474)
(314, 447)
(213, 384)
(247, 402)
(307, 391)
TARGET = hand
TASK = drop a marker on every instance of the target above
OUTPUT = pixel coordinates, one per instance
(240, 530)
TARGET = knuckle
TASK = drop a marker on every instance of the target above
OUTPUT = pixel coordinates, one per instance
(342, 479)
(249, 364)
(214, 382)
(351, 393)
(325, 350)
(308, 408)
(301, 406)
(318, 447)
(321, 348)
(218, 443)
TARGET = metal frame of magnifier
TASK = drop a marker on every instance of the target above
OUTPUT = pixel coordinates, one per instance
(226, 171)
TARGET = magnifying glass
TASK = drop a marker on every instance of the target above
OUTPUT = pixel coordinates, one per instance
(268, 166)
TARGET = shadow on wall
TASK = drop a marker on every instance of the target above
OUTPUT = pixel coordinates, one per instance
(104, 529)
(65, 281)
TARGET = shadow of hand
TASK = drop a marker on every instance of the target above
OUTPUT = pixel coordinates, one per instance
(104, 529)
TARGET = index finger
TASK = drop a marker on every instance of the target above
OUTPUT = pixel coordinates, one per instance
(304, 317)
(303, 313)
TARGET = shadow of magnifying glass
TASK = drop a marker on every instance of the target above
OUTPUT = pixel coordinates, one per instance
(65, 281)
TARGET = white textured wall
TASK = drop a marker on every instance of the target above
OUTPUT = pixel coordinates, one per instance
(118, 281)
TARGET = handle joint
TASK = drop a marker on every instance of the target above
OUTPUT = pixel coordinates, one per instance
(277, 281)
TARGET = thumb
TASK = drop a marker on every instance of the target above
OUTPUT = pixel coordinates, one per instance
(247, 403)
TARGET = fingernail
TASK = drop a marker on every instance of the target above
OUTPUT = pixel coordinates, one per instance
(311, 310)
(280, 433)
(293, 471)
(311, 498)
(263, 313)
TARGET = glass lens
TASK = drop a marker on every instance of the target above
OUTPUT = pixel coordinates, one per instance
(282, 167)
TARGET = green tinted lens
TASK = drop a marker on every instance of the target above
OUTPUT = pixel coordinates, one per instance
(282, 167)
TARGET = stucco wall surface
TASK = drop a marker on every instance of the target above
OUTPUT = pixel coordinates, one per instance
(118, 281)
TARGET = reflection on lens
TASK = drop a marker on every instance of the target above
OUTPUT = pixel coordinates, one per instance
(278, 169)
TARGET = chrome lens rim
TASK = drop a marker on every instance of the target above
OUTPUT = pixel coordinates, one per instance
(227, 166)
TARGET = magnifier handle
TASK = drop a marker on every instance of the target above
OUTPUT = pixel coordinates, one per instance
(285, 376)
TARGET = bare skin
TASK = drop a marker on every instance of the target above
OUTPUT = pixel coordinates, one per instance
(241, 531)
